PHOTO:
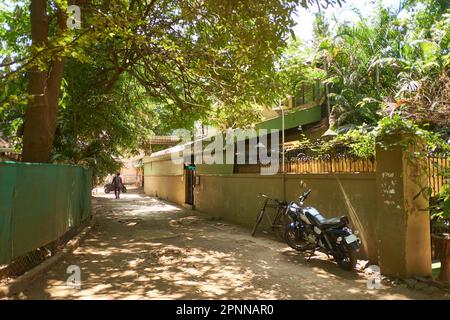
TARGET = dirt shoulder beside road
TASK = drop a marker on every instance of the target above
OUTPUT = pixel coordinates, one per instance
(144, 248)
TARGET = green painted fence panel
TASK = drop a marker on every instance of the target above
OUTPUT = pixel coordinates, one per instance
(39, 203)
(7, 183)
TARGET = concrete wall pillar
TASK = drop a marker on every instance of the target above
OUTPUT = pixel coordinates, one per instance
(403, 220)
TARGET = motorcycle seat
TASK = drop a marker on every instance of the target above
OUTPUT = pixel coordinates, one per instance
(329, 223)
(322, 222)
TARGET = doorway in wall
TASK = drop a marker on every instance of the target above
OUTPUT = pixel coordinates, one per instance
(189, 174)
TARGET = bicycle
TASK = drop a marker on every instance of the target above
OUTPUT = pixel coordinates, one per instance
(279, 222)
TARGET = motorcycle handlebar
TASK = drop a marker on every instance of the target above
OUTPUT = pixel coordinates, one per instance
(305, 195)
(262, 195)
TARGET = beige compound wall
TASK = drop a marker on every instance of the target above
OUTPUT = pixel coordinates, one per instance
(235, 198)
(165, 180)
(393, 224)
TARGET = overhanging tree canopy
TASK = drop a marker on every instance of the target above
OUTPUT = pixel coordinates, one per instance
(186, 54)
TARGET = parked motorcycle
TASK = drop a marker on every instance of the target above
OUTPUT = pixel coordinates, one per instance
(309, 230)
(109, 187)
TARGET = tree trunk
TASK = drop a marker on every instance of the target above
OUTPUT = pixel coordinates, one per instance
(44, 90)
(37, 133)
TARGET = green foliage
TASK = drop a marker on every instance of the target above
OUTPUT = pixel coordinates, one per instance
(320, 4)
(239, 115)
(357, 84)
(385, 62)
(14, 34)
(96, 126)
(396, 131)
(402, 132)
(389, 132)
(441, 208)
(358, 143)
(431, 10)
(14, 38)
(195, 56)
(138, 68)
(296, 68)
(443, 211)
(361, 142)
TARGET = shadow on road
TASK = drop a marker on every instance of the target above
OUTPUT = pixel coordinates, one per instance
(144, 248)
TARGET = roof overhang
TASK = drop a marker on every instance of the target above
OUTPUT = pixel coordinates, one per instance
(293, 119)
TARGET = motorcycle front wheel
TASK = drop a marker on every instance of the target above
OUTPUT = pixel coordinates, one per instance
(296, 239)
(346, 258)
(107, 190)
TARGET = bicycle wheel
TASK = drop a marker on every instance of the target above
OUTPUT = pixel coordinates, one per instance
(259, 218)
(279, 223)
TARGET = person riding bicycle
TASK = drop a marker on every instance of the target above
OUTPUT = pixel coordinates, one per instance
(117, 184)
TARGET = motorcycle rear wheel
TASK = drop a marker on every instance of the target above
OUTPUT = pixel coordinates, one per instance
(347, 258)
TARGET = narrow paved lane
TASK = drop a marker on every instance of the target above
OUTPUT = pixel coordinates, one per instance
(144, 248)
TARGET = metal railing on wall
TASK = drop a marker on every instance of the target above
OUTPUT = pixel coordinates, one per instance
(340, 161)
(340, 164)
(438, 164)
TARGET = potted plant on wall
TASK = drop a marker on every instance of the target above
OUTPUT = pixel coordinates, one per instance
(441, 230)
